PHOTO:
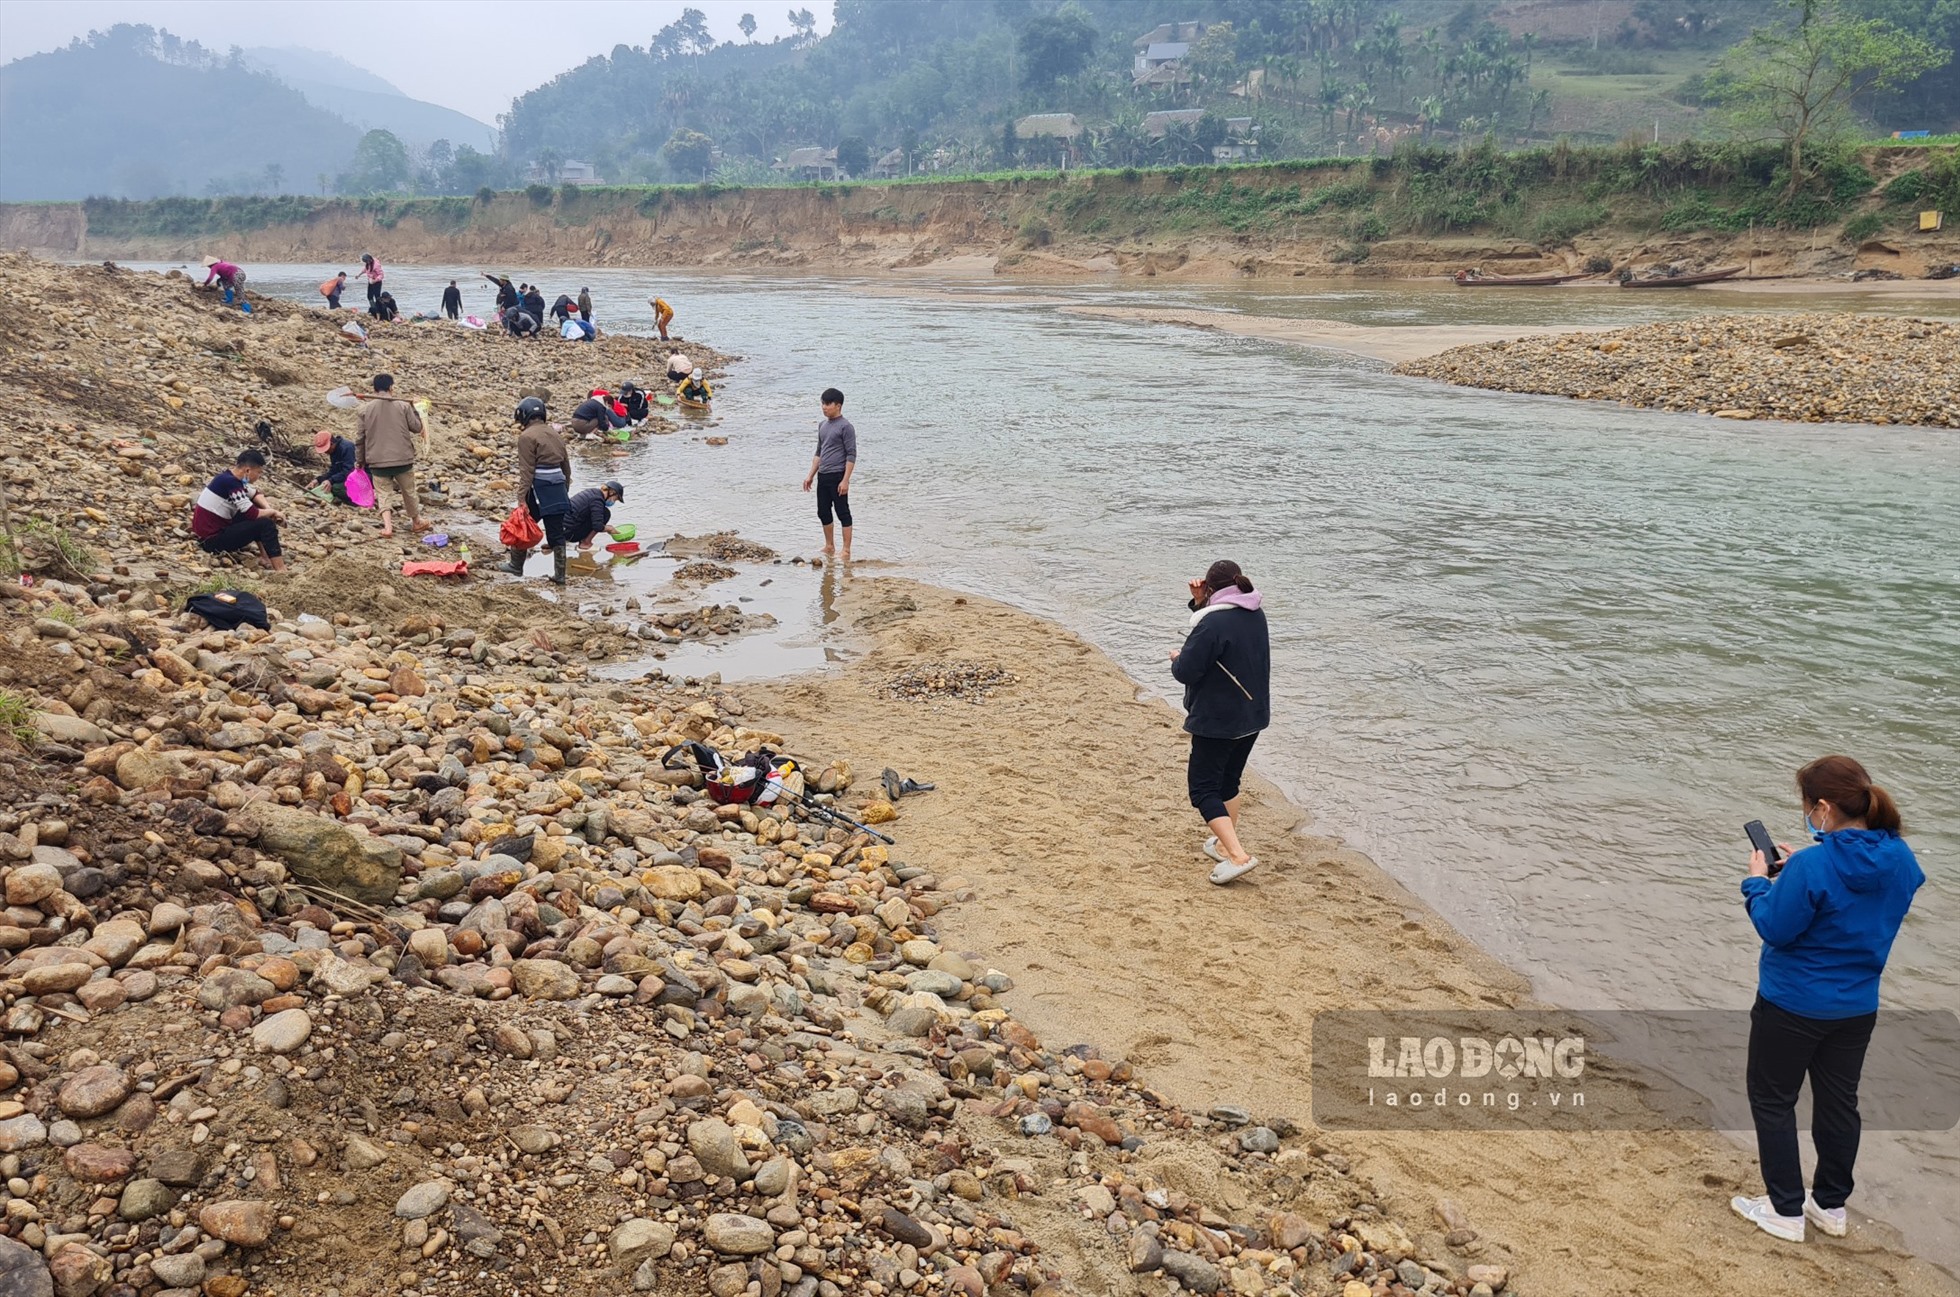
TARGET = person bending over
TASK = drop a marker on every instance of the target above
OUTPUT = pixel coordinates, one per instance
(696, 389)
(341, 460)
(663, 315)
(232, 514)
(592, 513)
(633, 401)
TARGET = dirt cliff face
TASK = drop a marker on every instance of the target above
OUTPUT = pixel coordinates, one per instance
(44, 229)
(1249, 223)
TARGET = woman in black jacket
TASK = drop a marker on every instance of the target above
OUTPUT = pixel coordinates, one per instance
(1225, 667)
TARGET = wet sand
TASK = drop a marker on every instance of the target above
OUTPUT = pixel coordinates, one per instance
(1061, 803)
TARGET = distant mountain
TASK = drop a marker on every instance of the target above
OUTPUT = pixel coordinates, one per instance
(331, 82)
(137, 113)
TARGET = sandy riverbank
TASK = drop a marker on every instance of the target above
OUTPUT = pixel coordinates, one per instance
(1061, 802)
(1394, 344)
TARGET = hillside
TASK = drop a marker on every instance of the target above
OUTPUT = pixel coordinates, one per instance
(158, 116)
(368, 101)
(940, 86)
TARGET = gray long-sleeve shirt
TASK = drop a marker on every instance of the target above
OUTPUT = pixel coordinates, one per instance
(837, 445)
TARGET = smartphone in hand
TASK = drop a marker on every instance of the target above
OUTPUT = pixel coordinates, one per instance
(1760, 840)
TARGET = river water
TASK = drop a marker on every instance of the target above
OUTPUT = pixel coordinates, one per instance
(1538, 658)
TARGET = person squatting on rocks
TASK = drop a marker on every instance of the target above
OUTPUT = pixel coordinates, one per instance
(342, 459)
(1827, 921)
(226, 275)
(831, 469)
(695, 389)
(452, 301)
(544, 479)
(384, 307)
(386, 449)
(1225, 667)
(595, 415)
(232, 514)
(633, 401)
(371, 271)
(591, 513)
(678, 368)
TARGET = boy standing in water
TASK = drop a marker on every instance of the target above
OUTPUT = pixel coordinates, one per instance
(831, 468)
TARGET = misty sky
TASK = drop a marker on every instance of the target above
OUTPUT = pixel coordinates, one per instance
(470, 55)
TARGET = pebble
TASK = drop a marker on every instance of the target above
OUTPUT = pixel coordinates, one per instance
(736, 1235)
(283, 1032)
(423, 1200)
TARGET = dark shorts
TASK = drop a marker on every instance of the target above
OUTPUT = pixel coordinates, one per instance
(393, 470)
(1214, 772)
(828, 501)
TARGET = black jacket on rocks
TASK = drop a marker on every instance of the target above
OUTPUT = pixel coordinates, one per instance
(1226, 669)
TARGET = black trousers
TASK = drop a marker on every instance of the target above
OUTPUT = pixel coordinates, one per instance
(553, 524)
(1214, 772)
(1785, 1047)
(829, 501)
(374, 291)
(243, 534)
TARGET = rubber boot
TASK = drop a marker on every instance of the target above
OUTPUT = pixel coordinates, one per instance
(558, 565)
(515, 564)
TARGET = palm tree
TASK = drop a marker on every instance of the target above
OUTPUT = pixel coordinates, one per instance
(1540, 102)
(1429, 111)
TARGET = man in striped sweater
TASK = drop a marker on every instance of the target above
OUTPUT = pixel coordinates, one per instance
(231, 514)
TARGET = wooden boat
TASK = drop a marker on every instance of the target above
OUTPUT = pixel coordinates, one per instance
(1682, 281)
(1466, 279)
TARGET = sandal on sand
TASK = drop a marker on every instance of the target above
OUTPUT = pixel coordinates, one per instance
(1225, 871)
(1212, 849)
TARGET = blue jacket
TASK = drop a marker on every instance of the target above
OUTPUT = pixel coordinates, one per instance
(1828, 920)
(340, 461)
(1225, 667)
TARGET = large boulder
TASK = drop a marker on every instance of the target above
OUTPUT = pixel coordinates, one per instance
(327, 853)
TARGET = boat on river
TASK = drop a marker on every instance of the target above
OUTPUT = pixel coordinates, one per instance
(1682, 281)
(1476, 279)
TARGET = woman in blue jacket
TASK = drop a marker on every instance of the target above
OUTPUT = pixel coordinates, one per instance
(1225, 667)
(1827, 922)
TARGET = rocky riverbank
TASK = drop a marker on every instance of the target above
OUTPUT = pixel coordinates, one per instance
(1813, 368)
(378, 951)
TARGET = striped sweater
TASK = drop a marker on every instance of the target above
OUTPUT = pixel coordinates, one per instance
(228, 499)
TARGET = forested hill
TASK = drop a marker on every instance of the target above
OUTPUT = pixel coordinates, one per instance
(136, 113)
(942, 80)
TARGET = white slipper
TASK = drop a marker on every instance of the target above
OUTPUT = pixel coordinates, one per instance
(1225, 871)
(1212, 849)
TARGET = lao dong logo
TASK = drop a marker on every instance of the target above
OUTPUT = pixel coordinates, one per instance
(1471, 1058)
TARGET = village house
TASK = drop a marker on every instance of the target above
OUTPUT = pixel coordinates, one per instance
(809, 164)
(1065, 128)
(569, 172)
(1160, 56)
(890, 166)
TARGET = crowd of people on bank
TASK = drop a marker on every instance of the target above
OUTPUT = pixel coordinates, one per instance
(1827, 915)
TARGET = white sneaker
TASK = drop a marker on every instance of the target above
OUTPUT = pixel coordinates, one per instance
(1213, 850)
(1225, 871)
(1829, 1219)
(1788, 1228)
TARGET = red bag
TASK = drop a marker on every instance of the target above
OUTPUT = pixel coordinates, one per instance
(434, 567)
(520, 530)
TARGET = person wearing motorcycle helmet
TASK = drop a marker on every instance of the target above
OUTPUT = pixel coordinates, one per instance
(544, 481)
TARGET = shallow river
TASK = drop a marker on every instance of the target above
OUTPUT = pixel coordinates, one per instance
(1539, 658)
